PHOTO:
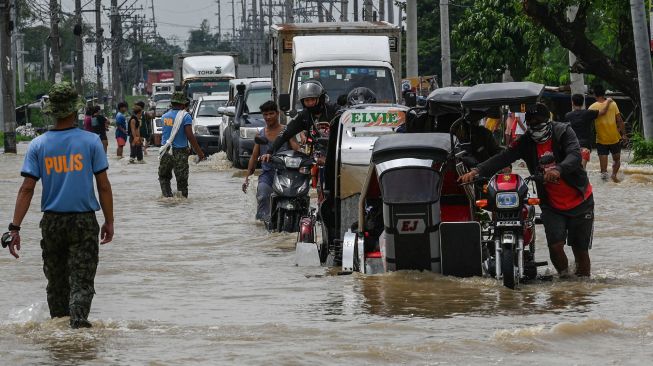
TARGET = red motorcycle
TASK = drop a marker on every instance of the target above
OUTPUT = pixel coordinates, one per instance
(509, 238)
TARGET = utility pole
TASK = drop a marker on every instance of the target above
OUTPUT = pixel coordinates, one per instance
(116, 43)
(219, 14)
(411, 39)
(382, 10)
(344, 10)
(400, 21)
(20, 46)
(369, 9)
(290, 11)
(355, 10)
(444, 41)
(79, 47)
(269, 14)
(7, 87)
(54, 37)
(320, 11)
(233, 20)
(644, 71)
(154, 19)
(99, 58)
(391, 11)
(577, 80)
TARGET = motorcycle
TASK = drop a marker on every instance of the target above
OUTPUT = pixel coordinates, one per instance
(509, 237)
(289, 200)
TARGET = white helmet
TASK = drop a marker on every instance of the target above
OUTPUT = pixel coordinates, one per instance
(310, 89)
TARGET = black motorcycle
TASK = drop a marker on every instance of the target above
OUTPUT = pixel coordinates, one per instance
(291, 184)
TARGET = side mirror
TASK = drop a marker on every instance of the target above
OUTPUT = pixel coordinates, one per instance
(241, 88)
(284, 102)
(228, 111)
(410, 99)
(221, 110)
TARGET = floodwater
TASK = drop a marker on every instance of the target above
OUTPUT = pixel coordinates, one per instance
(197, 281)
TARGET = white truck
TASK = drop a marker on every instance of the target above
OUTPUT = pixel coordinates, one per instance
(204, 73)
(342, 56)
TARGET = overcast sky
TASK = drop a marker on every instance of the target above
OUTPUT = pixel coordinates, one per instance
(175, 18)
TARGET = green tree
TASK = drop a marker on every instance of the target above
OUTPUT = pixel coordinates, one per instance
(494, 35)
(203, 40)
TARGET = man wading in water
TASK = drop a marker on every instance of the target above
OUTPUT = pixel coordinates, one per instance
(66, 159)
(566, 193)
(173, 155)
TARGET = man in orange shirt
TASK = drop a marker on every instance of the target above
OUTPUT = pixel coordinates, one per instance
(610, 132)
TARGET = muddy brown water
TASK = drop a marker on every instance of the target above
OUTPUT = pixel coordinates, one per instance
(197, 281)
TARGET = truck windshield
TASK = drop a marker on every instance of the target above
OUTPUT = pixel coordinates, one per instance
(198, 89)
(256, 97)
(341, 80)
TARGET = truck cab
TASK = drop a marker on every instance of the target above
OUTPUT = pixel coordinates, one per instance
(204, 73)
(341, 55)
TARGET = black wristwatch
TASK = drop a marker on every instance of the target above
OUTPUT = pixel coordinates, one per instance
(13, 227)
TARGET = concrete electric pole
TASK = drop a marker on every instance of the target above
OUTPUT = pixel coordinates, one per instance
(644, 72)
(116, 43)
(99, 58)
(8, 85)
(444, 42)
(55, 42)
(577, 81)
(79, 47)
(368, 11)
(344, 10)
(411, 39)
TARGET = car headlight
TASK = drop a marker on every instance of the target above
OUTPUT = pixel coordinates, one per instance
(201, 130)
(507, 200)
(248, 132)
(292, 162)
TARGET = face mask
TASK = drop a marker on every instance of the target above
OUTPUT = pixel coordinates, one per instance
(540, 132)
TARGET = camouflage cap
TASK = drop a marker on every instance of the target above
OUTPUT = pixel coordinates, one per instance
(63, 100)
(179, 98)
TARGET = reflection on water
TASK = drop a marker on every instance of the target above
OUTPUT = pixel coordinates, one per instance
(434, 296)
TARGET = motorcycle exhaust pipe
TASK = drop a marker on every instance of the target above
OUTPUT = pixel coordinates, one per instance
(497, 258)
(520, 256)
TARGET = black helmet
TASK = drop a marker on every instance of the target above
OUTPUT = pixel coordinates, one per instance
(361, 95)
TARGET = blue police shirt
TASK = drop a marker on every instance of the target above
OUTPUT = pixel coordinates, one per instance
(65, 161)
(121, 121)
(180, 140)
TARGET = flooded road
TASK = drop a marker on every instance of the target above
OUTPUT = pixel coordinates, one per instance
(197, 281)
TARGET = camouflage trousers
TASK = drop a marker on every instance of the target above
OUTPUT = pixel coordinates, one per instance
(177, 162)
(70, 247)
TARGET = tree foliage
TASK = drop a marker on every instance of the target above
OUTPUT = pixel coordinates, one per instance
(203, 40)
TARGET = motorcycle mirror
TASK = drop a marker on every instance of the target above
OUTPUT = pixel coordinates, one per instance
(261, 140)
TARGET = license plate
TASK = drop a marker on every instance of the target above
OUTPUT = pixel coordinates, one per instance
(508, 223)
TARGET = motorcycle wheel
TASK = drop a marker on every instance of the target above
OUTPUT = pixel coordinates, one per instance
(508, 268)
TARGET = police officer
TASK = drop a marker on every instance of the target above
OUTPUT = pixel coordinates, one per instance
(174, 152)
(66, 159)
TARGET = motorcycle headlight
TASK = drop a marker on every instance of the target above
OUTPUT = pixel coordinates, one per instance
(292, 162)
(507, 200)
(248, 132)
(201, 130)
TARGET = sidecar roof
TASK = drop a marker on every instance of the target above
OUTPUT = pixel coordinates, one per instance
(498, 94)
(436, 146)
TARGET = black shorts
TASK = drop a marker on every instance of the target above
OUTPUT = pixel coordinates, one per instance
(613, 149)
(576, 229)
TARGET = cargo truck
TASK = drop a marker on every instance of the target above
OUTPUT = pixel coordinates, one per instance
(156, 76)
(204, 73)
(341, 56)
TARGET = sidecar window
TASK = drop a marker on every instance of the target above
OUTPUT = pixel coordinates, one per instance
(410, 185)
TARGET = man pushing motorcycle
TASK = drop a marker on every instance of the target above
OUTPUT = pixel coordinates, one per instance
(565, 194)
